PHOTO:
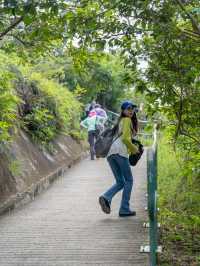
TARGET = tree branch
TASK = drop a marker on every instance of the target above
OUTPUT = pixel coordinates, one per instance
(12, 26)
(184, 133)
(171, 59)
(21, 41)
(191, 34)
(195, 24)
(179, 116)
(197, 34)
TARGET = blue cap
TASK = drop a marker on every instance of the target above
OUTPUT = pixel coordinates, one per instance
(127, 104)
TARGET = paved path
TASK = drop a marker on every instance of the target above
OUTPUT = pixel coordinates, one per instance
(65, 226)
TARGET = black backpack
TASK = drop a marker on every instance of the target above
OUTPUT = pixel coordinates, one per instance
(134, 158)
(105, 140)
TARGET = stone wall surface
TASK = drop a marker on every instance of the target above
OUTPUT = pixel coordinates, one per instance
(27, 170)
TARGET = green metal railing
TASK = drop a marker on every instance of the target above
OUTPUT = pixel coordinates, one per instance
(152, 195)
(152, 199)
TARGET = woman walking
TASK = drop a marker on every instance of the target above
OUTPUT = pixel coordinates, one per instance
(90, 123)
(118, 159)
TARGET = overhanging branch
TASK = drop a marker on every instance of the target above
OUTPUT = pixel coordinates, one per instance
(195, 24)
(12, 26)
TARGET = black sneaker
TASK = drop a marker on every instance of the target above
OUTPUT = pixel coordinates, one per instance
(105, 205)
(131, 213)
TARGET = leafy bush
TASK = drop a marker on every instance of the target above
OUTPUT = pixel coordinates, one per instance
(48, 108)
(40, 105)
(8, 101)
(60, 102)
(41, 125)
(179, 195)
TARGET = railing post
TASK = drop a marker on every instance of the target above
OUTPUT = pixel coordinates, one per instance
(152, 202)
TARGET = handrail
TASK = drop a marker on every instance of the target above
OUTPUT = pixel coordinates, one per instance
(152, 195)
(153, 247)
(152, 199)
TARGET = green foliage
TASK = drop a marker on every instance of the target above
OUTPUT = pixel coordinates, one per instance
(46, 106)
(8, 100)
(163, 34)
(40, 124)
(59, 98)
(40, 105)
(168, 168)
(15, 167)
(89, 76)
(117, 80)
(31, 26)
(179, 209)
(146, 140)
(54, 111)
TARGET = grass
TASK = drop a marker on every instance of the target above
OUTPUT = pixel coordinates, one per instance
(179, 216)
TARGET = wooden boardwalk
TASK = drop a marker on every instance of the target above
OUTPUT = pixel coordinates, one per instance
(65, 226)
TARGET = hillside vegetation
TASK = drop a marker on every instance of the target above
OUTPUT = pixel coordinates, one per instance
(42, 107)
(179, 197)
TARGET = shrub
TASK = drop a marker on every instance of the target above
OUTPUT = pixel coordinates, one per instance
(40, 105)
(8, 101)
(179, 205)
(48, 108)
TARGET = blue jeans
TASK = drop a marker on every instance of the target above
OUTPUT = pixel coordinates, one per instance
(124, 180)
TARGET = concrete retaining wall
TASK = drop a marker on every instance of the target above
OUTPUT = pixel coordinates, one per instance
(27, 170)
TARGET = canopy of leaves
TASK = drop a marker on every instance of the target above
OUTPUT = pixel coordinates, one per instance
(35, 25)
(163, 33)
(101, 76)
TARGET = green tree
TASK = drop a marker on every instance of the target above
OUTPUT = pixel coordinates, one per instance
(32, 26)
(99, 76)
